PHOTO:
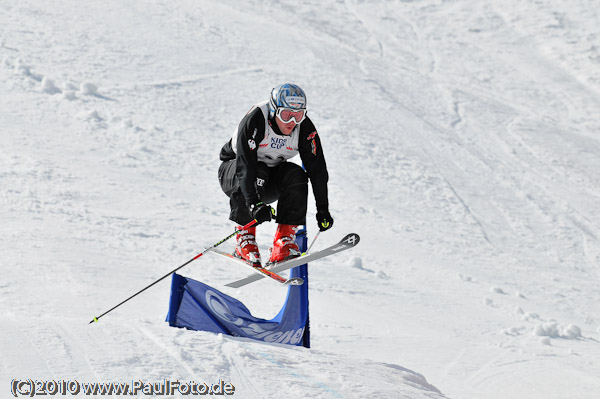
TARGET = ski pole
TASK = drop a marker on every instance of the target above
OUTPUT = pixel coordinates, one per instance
(252, 223)
(313, 241)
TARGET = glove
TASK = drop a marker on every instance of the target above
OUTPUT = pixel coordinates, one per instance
(324, 220)
(261, 212)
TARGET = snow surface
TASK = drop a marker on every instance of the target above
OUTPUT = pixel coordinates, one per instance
(462, 139)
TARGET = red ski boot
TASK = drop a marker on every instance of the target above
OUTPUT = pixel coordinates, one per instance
(284, 244)
(246, 247)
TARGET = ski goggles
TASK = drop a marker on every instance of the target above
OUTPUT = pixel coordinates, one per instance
(287, 114)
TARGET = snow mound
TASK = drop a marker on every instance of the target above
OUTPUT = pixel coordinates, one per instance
(555, 330)
(497, 290)
(88, 89)
(49, 87)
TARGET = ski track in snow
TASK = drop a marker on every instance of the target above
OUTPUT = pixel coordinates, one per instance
(461, 140)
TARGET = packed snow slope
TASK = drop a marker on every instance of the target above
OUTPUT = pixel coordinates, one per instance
(462, 140)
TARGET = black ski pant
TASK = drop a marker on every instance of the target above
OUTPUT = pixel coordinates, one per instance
(286, 183)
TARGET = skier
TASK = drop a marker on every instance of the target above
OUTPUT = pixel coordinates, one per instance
(254, 173)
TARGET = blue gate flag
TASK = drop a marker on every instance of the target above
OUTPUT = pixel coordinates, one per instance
(197, 306)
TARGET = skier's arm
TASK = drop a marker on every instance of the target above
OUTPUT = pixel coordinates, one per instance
(251, 131)
(311, 152)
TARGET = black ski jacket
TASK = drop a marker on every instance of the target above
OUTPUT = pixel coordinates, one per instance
(258, 139)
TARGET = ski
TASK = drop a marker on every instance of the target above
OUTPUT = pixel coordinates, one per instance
(262, 271)
(349, 241)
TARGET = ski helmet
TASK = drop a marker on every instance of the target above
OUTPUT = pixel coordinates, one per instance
(287, 95)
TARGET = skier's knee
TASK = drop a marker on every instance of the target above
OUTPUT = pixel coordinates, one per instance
(295, 175)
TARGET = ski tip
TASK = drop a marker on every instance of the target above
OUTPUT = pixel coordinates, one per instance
(351, 239)
(295, 281)
(94, 320)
